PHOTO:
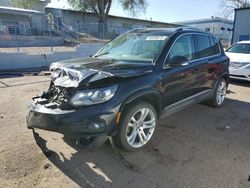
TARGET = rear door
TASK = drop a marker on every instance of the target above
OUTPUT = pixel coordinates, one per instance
(208, 53)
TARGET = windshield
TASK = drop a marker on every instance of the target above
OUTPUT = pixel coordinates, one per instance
(134, 46)
(240, 48)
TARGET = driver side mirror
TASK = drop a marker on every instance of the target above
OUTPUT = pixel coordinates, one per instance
(178, 61)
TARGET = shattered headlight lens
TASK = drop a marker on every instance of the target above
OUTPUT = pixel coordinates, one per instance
(93, 96)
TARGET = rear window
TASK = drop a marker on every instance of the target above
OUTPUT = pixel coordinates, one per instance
(207, 46)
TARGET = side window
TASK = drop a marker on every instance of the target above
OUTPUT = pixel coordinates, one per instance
(215, 45)
(183, 46)
(207, 46)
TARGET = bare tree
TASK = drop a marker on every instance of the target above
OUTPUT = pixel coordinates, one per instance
(229, 6)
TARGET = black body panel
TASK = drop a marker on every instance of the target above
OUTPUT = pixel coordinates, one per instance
(171, 87)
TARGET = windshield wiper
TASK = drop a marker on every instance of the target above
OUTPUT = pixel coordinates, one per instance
(101, 54)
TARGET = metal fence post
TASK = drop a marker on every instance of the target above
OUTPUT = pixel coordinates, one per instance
(17, 45)
(78, 39)
(50, 38)
(88, 29)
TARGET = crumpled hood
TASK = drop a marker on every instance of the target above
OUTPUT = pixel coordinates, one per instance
(86, 71)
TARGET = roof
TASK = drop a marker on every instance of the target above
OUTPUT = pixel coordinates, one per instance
(152, 30)
(136, 19)
(242, 8)
(167, 30)
(206, 20)
(20, 9)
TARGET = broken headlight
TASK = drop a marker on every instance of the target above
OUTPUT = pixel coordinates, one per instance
(93, 96)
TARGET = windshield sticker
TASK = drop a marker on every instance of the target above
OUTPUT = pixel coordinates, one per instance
(156, 37)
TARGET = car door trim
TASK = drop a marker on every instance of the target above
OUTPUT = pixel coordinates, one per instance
(199, 97)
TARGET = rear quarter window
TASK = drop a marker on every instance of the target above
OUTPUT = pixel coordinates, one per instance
(206, 46)
(215, 45)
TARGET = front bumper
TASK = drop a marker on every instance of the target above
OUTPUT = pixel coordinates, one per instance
(240, 73)
(89, 121)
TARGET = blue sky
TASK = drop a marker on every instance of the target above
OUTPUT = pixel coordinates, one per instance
(166, 10)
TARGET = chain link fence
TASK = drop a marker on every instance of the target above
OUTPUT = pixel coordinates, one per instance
(101, 31)
(58, 34)
(16, 36)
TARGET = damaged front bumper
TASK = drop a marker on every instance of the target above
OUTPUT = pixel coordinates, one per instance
(88, 121)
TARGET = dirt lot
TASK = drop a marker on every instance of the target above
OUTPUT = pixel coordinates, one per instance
(197, 147)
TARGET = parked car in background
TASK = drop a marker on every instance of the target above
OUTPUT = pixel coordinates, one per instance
(134, 80)
(239, 54)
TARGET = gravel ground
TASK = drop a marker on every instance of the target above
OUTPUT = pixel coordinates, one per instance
(197, 147)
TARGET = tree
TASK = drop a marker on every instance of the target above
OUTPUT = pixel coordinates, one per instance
(230, 5)
(102, 7)
(24, 3)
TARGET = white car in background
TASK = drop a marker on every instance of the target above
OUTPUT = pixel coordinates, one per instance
(239, 54)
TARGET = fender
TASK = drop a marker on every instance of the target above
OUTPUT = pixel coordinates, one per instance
(225, 75)
(141, 93)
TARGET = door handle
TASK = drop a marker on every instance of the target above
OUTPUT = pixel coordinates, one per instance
(185, 63)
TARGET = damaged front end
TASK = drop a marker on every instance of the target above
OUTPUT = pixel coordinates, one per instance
(55, 111)
(56, 97)
(81, 100)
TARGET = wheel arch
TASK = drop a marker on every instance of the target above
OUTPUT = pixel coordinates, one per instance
(223, 75)
(152, 97)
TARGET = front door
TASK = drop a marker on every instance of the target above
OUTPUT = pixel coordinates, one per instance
(180, 81)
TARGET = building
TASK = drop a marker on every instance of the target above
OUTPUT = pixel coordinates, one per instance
(20, 21)
(39, 6)
(222, 28)
(17, 24)
(24, 27)
(241, 25)
(87, 22)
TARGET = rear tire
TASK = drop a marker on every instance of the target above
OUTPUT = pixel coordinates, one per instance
(219, 93)
(137, 126)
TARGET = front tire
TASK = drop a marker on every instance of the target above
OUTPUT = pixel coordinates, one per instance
(219, 93)
(137, 126)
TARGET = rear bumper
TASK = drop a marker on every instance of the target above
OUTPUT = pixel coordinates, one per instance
(89, 121)
(240, 74)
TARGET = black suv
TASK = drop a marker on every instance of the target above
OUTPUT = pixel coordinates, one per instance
(137, 78)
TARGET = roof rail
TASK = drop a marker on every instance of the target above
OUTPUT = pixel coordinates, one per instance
(189, 28)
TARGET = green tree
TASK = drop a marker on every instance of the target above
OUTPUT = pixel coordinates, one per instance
(229, 6)
(102, 7)
(24, 3)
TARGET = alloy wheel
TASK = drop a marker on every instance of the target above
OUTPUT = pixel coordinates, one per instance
(221, 92)
(140, 127)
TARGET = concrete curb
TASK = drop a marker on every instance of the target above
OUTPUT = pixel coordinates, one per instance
(21, 61)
